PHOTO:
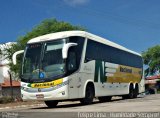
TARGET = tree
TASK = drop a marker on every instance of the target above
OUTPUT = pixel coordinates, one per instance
(152, 57)
(0, 52)
(45, 27)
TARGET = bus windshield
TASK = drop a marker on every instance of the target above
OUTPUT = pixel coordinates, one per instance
(43, 60)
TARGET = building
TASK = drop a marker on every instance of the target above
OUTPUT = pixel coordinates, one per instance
(14, 90)
(152, 84)
(152, 81)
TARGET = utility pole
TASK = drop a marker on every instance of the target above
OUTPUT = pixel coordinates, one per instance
(11, 87)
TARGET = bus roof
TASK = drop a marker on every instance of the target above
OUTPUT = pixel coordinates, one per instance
(65, 34)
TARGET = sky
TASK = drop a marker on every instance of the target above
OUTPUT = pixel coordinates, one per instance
(134, 24)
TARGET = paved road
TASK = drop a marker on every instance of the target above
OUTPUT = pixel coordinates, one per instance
(150, 103)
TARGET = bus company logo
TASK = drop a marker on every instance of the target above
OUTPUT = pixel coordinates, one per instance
(43, 85)
(46, 84)
(39, 90)
(126, 70)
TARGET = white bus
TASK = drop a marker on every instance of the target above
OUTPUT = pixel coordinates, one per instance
(77, 65)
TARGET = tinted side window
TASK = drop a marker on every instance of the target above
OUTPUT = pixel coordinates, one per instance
(99, 51)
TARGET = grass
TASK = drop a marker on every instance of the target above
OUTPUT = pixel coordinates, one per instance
(158, 92)
(6, 99)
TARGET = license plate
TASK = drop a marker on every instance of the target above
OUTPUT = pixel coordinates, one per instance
(40, 96)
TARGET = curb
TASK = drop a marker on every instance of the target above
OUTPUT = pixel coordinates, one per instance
(22, 106)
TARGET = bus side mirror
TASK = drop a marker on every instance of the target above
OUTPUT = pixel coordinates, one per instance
(15, 55)
(66, 48)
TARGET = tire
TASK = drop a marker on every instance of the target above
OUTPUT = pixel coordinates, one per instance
(105, 98)
(89, 95)
(131, 93)
(51, 104)
(152, 91)
(136, 91)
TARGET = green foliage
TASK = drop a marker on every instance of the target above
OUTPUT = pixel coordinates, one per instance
(152, 57)
(45, 27)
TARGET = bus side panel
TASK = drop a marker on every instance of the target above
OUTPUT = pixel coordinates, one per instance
(111, 89)
(89, 73)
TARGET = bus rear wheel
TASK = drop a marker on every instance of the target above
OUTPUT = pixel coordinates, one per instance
(89, 95)
(51, 104)
(131, 93)
(136, 91)
(105, 98)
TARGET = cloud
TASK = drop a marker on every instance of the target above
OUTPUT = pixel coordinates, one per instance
(76, 2)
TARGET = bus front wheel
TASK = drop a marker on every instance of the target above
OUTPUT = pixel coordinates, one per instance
(89, 95)
(51, 104)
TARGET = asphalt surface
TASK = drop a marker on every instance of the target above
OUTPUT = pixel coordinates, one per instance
(142, 104)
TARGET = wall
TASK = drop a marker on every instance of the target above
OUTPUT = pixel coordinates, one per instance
(6, 91)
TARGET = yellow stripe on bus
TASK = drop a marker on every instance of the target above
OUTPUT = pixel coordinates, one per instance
(47, 84)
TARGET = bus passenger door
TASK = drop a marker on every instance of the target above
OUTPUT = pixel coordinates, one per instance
(73, 90)
(73, 79)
